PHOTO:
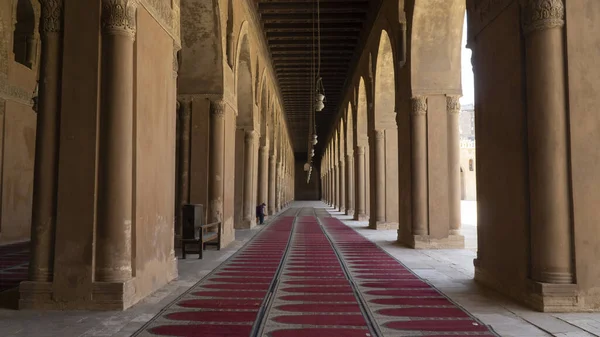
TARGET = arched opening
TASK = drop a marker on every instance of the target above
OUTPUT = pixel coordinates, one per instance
(383, 141)
(245, 180)
(24, 44)
(361, 156)
(468, 176)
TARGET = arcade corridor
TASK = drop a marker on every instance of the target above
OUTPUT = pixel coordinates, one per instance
(130, 129)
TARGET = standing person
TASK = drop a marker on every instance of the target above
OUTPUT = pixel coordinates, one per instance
(260, 213)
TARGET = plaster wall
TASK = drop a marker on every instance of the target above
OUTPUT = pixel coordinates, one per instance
(583, 17)
(502, 162)
(154, 182)
(200, 135)
(17, 137)
(239, 177)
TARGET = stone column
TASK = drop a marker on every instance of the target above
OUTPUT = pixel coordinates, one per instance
(332, 185)
(336, 187)
(249, 219)
(550, 211)
(272, 192)
(263, 174)
(46, 155)
(349, 184)
(216, 153)
(361, 200)
(379, 188)
(453, 108)
(342, 178)
(419, 166)
(115, 162)
(184, 162)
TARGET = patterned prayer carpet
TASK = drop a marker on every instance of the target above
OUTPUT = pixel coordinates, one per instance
(14, 264)
(308, 274)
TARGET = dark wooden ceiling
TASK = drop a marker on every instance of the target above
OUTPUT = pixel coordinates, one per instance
(288, 27)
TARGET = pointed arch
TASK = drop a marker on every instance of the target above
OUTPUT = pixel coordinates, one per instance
(349, 127)
(244, 87)
(385, 84)
(360, 120)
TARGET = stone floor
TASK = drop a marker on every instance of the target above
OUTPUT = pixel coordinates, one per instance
(449, 270)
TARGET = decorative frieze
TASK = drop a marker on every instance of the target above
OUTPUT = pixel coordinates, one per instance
(419, 106)
(14, 93)
(52, 16)
(542, 14)
(166, 16)
(119, 17)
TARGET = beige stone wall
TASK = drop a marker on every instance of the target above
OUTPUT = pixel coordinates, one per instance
(17, 137)
(155, 264)
(583, 17)
(502, 164)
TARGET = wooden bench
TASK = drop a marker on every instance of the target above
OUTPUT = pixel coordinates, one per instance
(206, 237)
(195, 231)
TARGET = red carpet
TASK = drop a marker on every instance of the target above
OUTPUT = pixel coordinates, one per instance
(332, 282)
(400, 302)
(14, 264)
(226, 302)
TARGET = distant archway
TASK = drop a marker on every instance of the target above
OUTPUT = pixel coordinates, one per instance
(361, 159)
(245, 181)
(384, 141)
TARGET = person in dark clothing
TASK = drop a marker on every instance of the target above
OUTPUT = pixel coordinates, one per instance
(260, 213)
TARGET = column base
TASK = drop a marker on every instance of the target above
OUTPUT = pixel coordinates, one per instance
(246, 224)
(382, 225)
(342, 210)
(104, 296)
(361, 217)
(547, 297)
(427, 242)
(350, 212)
(543, 297)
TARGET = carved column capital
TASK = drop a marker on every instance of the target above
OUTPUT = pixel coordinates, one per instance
(360, 150)
(217, 108)
(453, 104)
(379, 134)
(542, 14)
(250, 135)
(419, 106)
(119, 17)
(52, 16)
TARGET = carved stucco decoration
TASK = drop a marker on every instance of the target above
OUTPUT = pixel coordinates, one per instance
(542, 14)
(453, 104)
(218, 108)
(168, 18)
(52, 16)
(14, 93)
(119, 16)
(419, 106)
